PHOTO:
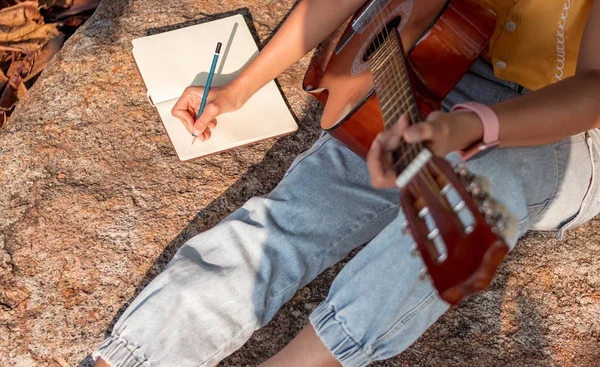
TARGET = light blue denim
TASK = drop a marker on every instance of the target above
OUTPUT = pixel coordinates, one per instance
(227, 282)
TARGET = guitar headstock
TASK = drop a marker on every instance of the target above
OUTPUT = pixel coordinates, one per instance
(458, 228)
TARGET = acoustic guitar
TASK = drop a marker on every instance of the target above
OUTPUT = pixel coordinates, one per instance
(367, 81)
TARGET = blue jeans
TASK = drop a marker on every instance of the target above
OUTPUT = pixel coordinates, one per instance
(227, 282)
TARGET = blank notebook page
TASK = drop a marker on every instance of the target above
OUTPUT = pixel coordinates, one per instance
(171, 61)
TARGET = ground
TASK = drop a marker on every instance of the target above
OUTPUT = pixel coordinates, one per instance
(94, 203)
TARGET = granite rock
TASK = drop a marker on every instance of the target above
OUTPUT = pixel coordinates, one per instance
(94, 203)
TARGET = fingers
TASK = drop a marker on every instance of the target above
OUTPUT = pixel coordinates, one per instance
(207, 132)
(424, 131)
(211, 111)
(181, 110)
(205, 135)
(391, 139)
(419, 132)
(380, 169)
(186, 106)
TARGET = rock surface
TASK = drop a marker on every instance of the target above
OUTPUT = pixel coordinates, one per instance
(94, 203)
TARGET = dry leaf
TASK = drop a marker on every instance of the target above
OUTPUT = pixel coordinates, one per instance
(19, 14)
(30, 39)
(47, 4)
(74, 21)
(79, 6)
(18, 32)
(33, 40)
(3, 80)
(45, 55)
(21, 67)
(9, 98)
(14, 89)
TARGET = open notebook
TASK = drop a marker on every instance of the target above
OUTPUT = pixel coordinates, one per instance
(171, 61)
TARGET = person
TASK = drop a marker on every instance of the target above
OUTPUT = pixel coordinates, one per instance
(542, 81)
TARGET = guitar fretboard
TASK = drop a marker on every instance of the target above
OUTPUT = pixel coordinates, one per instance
(392, 83)
(396, 97)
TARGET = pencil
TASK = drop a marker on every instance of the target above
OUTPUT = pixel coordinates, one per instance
(207, 86)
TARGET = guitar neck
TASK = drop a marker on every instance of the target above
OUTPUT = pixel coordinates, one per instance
(392, 86)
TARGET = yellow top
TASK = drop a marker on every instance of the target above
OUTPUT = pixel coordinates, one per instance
(536, 42)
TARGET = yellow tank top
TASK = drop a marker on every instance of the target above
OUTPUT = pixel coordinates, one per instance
(536, 42)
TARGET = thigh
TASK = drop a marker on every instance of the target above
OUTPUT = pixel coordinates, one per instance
(224, 283)
(323, 208)
(378, 305)
(575, 200)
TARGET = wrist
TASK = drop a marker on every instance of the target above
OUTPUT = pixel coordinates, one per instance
(467, 128)
(241, 88)
(489, 124)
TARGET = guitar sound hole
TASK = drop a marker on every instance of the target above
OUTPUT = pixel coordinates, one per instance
(381, 37)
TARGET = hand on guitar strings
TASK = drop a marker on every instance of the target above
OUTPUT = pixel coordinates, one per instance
(441, 133)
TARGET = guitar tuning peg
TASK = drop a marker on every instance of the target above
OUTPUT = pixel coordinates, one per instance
(474, 188)
(488, 207)
(500, 226)
(414, 251)
(464, 172)
(446, 189)
(493, 217)
(423, 274)
(486, 204)
(405, 228)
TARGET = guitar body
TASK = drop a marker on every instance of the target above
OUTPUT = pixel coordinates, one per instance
(443, 39)
(399, 57)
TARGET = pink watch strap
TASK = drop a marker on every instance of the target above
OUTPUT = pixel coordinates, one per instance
(491, 127)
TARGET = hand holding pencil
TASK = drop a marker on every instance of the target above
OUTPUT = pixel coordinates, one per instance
(218, 100)
(211, 73)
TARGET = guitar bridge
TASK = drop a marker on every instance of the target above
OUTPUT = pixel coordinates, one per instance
(413, 167)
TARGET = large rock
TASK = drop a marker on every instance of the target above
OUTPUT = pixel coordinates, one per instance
(94, 203)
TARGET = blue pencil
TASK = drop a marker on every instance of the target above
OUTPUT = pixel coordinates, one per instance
(208, 83)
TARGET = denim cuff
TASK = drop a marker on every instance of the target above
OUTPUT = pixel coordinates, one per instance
(336, 338)
(117, 352)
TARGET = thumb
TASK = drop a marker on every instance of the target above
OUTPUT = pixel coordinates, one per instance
(211, 111)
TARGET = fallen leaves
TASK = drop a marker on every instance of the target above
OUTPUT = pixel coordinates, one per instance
(31, 33)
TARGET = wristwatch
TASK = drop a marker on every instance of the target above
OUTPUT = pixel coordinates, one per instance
(490, 123)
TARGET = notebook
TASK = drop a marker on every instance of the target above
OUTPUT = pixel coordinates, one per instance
(171, 61)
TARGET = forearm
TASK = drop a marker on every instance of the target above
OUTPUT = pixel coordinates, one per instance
(560, 110)
(308, 24)
(552, 113)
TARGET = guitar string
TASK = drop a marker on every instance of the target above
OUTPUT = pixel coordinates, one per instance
(412, 110)
(431, 164)
(395, 71)
(386, 50)
(434, 167)
(407, 99)
(411, 150)
(402, 102)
